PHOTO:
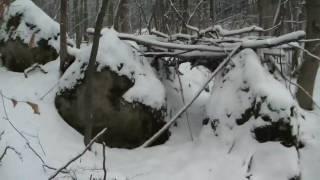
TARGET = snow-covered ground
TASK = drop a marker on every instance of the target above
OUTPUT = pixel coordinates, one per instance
(221, 150)
(208, 157)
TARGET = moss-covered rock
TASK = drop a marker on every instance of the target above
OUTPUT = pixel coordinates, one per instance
(17, 56)
(129, 125)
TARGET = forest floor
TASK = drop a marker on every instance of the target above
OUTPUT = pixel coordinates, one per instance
(56, 142)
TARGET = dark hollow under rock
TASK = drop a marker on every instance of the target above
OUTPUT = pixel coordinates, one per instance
(129, 125)
(277, 131)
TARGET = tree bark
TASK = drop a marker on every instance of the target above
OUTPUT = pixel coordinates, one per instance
(185, 15)
(121, 23)
(110, 14)
(63, 35)
(86, 20)
(77, 23)
(90, 71)
(309, 67)
(212, 10)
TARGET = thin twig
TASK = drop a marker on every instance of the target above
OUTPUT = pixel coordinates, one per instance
(295, 84)
(104, 161)
(306, 51)
(194, 11)
(16, 129)
(32, 68)
(79, 155)
(12, 149)
(50, 90)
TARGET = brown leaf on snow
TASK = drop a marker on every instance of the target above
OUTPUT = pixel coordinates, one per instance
(3, 5)
(34, 107)
(14, 102)
(32, 44)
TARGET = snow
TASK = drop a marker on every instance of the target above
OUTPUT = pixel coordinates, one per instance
(275, 40)
(245, 83)
(192, 80)
(45, 27)
(226, 156)
(220, 150)
(121, 58)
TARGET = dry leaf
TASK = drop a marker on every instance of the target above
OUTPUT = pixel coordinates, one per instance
(3, 5)
(14, 102)
(34, 107)
(32, 43)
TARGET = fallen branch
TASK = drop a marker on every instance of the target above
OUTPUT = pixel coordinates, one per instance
(167, 45)
(79, 155)
(306, 51)
(12, 149)
(32, 68)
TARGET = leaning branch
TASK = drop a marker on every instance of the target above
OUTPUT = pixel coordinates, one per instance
(174, 119)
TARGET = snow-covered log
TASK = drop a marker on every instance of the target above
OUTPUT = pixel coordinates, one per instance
(224, 32)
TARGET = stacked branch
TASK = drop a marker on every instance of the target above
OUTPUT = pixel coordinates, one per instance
(203, 46)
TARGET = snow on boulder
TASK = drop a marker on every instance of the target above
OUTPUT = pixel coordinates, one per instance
(27, 35)
(256, 116)
(128, 97)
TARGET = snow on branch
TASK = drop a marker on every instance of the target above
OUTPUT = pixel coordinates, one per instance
(276, 41)
(223, 32)
(149, 42)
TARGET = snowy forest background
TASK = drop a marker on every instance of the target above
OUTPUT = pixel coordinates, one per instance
(159, 89)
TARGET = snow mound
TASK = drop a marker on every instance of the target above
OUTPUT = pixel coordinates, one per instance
(119, 57)
(33, 23)
(252, 112)
(191, 79)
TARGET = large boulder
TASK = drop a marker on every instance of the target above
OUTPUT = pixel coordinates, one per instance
(128, 98)
(256, 117)
(27, 36)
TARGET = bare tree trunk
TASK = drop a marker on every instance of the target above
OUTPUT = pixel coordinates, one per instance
(77, 23)
(122, 17)
(97, 5)
(90, 71)
(185, 15)
(63, 35)
(309, 67)
(86, 20)
(110, 14)
(212, 10)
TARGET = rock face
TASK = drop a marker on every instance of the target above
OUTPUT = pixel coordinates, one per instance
(17, 56)
(129, 124)
(27, 36)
